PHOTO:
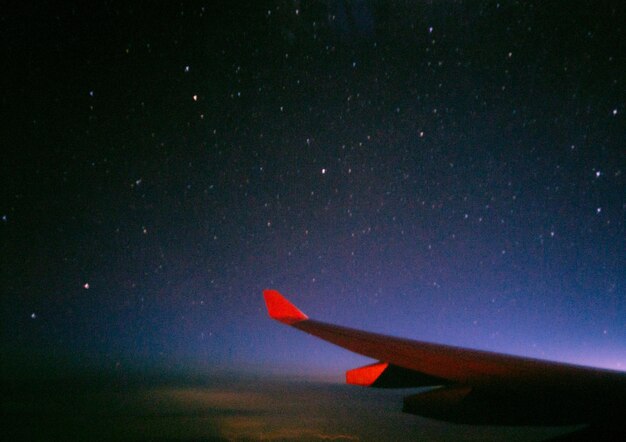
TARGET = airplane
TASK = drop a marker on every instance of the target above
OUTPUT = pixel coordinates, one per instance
(477, 387)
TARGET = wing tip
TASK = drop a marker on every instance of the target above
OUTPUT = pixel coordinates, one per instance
(280, 309)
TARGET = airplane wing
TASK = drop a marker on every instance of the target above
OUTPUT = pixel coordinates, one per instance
(472, 386)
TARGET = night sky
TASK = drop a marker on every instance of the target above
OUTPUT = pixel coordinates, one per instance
(447, 171)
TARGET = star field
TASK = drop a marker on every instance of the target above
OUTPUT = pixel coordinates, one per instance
(451, 172)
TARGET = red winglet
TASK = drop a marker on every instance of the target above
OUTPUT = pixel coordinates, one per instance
(366, 376)
(281, 309)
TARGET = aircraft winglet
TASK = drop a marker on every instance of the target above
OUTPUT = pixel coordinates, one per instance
(282, 310)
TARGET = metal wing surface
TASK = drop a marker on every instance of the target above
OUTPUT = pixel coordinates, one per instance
(473, 386)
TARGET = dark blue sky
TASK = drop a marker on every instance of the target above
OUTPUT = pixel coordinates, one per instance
(446, 171)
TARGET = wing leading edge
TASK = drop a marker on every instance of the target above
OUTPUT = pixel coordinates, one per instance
(473, 386)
